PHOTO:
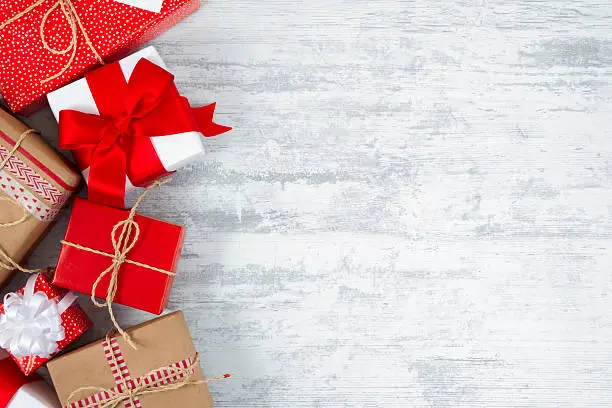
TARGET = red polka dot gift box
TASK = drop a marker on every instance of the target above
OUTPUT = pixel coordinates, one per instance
(38, 321)
(45, 44)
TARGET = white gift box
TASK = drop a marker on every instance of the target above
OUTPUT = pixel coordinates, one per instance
(174, 151)
(36, 394)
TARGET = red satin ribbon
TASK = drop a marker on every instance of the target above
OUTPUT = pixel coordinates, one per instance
(117, 143)
(11, 380)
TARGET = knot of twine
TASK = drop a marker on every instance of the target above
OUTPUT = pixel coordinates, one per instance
(124, 236)
(6, 262)
(168, 378)
(76, 26)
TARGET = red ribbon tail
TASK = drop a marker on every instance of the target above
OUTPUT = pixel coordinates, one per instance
(107, 177)
(204, 117)
(85, 135)
(97, 193)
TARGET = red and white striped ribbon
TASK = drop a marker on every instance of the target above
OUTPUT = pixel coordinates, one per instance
(120, 370)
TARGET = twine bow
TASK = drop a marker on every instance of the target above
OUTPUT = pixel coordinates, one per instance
(6, 262)
(75, 23)
(128, 390)
(124, 236)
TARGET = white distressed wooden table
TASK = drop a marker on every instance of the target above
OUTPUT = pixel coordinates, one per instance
(414, 208)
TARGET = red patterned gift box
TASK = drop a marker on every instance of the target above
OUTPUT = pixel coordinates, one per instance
(38, 321)
(45, 44)
(145, 272)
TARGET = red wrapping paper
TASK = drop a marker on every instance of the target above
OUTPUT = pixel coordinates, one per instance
(11, 380)
(114, 29)
(159, 245)
(74, 321)
(20, 391)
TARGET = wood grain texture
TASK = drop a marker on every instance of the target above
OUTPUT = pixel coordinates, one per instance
(414, 208)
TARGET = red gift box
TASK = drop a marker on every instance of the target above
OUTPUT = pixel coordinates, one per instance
(20, 391)
(144, 278)
(104, 30)
(11, 380)
(54, 321)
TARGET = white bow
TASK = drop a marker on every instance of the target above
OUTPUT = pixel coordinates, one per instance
(32, 323)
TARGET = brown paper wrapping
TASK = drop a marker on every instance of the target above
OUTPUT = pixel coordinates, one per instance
(17, 241)
(161, 342)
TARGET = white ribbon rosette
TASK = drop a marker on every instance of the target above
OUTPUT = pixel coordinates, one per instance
(32, 323)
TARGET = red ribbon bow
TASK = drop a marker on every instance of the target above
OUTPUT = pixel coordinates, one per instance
(117, 143)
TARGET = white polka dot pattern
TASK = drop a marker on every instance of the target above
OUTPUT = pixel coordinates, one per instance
(114, 28)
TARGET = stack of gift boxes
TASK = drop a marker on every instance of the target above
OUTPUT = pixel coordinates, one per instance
(121, 116)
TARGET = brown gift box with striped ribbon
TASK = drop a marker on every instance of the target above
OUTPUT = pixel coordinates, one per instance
(99, 370)
(35, 183)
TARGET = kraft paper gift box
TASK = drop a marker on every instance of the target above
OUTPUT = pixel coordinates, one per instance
(158, 246)
(105, 30)
(20, 391)
(163, 342)
(35, 183)
(38, 321)
(147, 142)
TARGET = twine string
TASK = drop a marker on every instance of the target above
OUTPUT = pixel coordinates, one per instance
(24, 215)
(16, 147)
(6, 262)
(167, 378)
(76, 26)
(124, 236)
